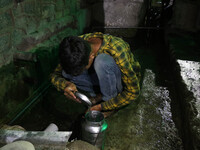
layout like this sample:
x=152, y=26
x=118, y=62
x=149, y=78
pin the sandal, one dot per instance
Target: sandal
x=107, y=114
x=95, y=100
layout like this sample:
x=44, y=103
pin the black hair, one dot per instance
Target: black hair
x=74, y=54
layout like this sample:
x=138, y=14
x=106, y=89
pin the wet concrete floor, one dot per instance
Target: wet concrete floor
x=145, y=124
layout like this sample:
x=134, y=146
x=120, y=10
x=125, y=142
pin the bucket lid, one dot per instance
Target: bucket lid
x=84, y=99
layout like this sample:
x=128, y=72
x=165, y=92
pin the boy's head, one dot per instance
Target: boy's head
x=74, y=54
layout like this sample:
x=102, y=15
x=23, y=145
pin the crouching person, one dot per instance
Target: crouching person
x=98, y=60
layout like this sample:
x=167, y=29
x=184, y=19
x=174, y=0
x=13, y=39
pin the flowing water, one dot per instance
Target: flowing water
x=146, y=125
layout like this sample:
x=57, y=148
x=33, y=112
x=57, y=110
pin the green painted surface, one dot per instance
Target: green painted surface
x=16, y=35
x=5, y=3
x=4, y=46
x=5, y=20
x=25, y=28
x=28, y=76
x=30, y=22
x=30, y=7
x=104, y=127
x=14, y=89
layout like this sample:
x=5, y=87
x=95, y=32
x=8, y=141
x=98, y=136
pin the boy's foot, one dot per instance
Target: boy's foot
x=108, y=113
x=95, y=100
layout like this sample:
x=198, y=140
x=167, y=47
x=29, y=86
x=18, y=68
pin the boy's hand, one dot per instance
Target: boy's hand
x=69, y=91
x=96, y=107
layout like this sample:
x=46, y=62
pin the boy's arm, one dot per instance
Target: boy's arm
x=58, y=80
x=62, y=84
x=131, y=86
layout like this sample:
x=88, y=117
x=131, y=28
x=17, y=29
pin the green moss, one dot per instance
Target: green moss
x=5, y=3
x=4, y=45
x=5, y=20
x=14, y=88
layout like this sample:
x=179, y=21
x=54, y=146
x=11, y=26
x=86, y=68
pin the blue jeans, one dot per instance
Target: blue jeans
x=107, y=76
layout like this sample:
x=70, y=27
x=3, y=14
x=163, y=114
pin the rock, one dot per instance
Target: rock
x=81, y=145
x=19, y=145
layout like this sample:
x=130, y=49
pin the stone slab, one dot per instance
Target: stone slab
x=190, y=72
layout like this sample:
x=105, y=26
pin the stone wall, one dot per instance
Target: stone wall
x=30, y=32
x=25, y=23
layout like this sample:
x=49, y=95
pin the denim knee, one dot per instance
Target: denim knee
x=109, y=76
x=103, y=61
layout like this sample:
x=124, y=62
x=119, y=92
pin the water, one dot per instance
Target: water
x=94, y=116
x=146, y=125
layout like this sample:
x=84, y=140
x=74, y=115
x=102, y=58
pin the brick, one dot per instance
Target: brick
x=20, y=22
x=5, y=3
x=5, y=20
x=1, y=60
x=31, y=25
x=73, y=6
x=8, y=56
x=69, y=7
x=17, y=36
x=59, y=5
x=27, y=24
x=48, y=11
x=64, y=21
x=47, y=1
x=4, y=42
x=30, y=7
x=58, y=15
x=66, y=12
x=17, y=10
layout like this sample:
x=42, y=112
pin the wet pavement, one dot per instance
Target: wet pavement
x=146, y=123
x=190, y=72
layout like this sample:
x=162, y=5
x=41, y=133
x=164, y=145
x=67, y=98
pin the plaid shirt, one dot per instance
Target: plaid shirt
x=130, y=68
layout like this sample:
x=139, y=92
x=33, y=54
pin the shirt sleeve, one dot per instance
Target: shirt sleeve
x=58, y=80
x=131, y=87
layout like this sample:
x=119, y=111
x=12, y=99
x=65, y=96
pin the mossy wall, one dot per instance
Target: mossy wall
x=32, y=28
x=29, y=22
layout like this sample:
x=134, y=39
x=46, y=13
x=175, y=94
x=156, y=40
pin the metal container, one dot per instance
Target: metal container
x=84, y=99
x=93, y=129
x=51, y=127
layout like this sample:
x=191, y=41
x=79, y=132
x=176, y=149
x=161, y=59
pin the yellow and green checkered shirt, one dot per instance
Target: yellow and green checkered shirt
x=130, y=68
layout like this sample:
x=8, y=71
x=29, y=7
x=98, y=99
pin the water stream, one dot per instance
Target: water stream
x=146, y=125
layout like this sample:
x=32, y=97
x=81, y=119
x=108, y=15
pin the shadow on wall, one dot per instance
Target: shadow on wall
x=95, y=17
x=23, y=81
